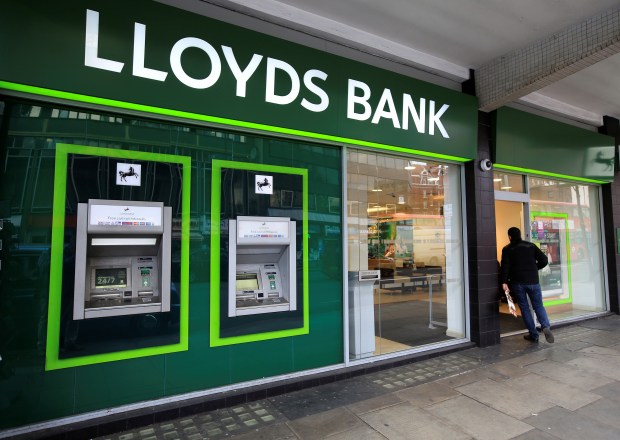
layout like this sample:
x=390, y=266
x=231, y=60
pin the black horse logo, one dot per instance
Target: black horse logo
x=125, y=174
x=607, y=161
x=262, y=184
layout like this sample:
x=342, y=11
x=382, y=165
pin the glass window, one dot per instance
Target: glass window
x=404, y=223
x=565, y=224
x=507, y=182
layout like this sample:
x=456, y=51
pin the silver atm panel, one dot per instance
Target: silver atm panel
x=123, y=258
x=262, y=267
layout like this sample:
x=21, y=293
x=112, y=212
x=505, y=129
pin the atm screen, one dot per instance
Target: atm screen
x=111, y=277
x=247, y=281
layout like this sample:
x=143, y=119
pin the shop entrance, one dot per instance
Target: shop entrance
x=509, y=213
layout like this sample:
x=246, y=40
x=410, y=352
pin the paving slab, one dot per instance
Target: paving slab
x=612, y=352
x=359, y=433
x=611, y=391
x=428, y=394
x=274, y=432
x=611, y=323
x=570, y=425
x=323, y=398
x=582, y=379
x=553, y=391
x=478, y=420
x=596, y=365
x=505, y=370
x=510, y=400
x=535, y=434
x=468, y=377
x=374, y=404
x=604, y=410
x=322, y=425
x=601, y=338
x=407, y=422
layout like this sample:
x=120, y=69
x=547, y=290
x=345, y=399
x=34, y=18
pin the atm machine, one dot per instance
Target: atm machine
x=262, y=265
x=123, y=258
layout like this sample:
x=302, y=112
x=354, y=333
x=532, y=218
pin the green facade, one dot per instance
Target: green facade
x=50, y=61
x=532, y=144
x=32, y=394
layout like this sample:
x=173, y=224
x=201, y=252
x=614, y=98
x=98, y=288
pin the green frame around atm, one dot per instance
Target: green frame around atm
x=52, y=361
x=563, y=217
x=215, y=339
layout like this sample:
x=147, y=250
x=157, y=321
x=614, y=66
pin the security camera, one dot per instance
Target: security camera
x=486, y=165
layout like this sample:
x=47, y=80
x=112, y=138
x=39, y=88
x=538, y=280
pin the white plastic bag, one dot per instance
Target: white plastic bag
x=511, y=304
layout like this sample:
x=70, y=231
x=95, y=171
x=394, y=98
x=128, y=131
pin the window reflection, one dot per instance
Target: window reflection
x=507, y=182
x=405, y=222
x=564, y=223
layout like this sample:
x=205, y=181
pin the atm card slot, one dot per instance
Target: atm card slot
x=246, y=296
x=103, y=296
x=145, y=293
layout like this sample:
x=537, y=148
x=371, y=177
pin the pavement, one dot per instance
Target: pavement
x=515, y=390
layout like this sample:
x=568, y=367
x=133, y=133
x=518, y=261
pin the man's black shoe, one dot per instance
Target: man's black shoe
x=529, y=337
x=548, y=335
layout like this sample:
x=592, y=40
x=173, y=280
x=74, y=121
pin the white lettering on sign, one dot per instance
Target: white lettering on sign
x=424, y=116
x=359, y=94
x=175, y=63
x=91, y=52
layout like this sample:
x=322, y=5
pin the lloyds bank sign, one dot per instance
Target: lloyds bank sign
x=151, y=57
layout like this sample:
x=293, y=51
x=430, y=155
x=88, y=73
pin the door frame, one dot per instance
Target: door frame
x=524, y=198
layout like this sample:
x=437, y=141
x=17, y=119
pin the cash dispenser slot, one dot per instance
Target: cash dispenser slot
x=262, y=252
x=123, y=258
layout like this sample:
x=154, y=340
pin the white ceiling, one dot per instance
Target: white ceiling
x=449, y=37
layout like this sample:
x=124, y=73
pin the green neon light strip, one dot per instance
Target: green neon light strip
x=214, y=119
x=547, y=174
x=52, y=362
x=215, y=338
x=562, y=216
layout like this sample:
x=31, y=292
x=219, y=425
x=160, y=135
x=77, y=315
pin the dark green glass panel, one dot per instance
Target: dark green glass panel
x=34, y=395
x=117, y=383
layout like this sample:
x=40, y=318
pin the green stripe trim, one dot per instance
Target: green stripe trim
x=562, y=216
x=547, y=174
x=217, y=120
x=52, y=362
x=214, y=325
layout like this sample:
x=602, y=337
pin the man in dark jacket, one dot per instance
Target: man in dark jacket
x=521, y=261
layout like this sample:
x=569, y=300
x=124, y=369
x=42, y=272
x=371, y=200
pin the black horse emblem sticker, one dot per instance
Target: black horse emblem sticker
x=130, y=173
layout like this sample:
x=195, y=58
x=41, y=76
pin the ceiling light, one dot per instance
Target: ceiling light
x=498, y=179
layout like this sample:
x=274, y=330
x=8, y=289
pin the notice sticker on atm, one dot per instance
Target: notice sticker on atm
x=125, y=215
x=263, y=229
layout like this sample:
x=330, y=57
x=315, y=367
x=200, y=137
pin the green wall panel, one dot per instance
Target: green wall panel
x=50, y=61
x=527, y=142
x=118, y=383
x=36, y=395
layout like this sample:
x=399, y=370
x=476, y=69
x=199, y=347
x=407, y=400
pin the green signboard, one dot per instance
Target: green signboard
x=529, y=143
x=156, y=58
